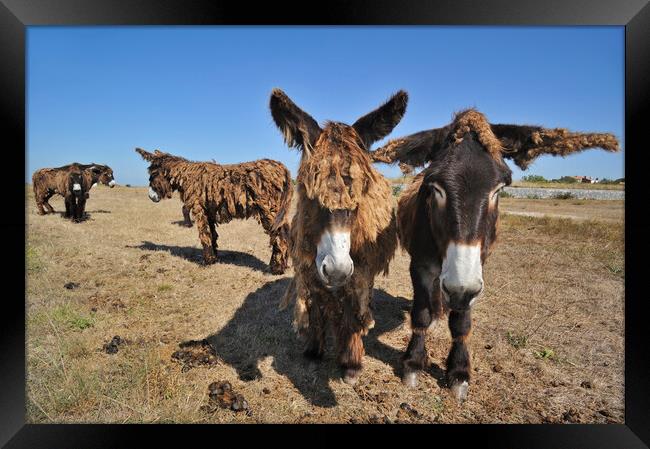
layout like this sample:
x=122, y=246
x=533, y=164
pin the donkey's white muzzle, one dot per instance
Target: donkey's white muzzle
x=112, y=183
x=153, y=196
x=333, y=261
x=76, y=187
x=461, y=277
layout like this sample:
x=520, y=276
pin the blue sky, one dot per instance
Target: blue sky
x=95, y=93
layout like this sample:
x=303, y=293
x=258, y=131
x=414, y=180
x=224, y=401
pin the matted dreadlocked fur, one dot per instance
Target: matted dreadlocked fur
x=216, y=194
x=336, y=173
x=340, y=176
x=521, y=143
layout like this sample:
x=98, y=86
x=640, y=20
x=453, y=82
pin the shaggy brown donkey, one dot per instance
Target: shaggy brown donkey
x=218, y=193
x=344, y=231
x=47, y=182
x=448, y=217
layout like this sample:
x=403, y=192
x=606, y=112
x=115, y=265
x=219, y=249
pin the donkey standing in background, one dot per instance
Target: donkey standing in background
x=218, y=193
x=448, y=217
x=344, y=230
x=47, y=182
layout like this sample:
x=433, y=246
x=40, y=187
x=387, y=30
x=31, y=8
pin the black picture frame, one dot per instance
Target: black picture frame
x=16, y=15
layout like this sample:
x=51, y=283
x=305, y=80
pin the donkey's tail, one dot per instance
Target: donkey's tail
x=281, y=222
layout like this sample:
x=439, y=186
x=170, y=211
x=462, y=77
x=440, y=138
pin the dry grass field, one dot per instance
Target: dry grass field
x=547, y=345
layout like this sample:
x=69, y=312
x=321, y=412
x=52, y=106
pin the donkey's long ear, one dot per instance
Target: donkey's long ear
x=299, y=129
x=523, y=144
x=145, y=154
x=411, y=151
x=379, y=123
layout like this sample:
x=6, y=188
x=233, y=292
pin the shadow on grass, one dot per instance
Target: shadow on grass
x=195, y=255
x=99, y=211
x=259, y=330
x=182, y=224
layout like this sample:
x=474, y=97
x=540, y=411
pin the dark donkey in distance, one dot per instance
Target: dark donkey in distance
x=448, y=218
x=50, y=181
x=343, y=233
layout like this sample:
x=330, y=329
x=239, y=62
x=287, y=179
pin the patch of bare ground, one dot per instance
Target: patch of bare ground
x=547, y=343
x=612, y=211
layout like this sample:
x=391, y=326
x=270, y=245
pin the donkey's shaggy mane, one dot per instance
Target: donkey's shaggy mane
x=340, y=175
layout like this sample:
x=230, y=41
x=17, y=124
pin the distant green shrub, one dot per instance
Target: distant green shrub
x=567, y=180
x=563, y=196
x=504, y=194
x=534, y=178
x=397, y=190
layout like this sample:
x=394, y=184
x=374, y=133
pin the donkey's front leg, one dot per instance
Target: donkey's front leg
x=213, y=234
x=352, y=326
x=187, y=221
x=205, y=236
x=280, y=255
x=351, y=352
x=315, y=333
x=458, y=363
x=47, y=205
x=68, y=206
x=426, y=308
x=80, y=209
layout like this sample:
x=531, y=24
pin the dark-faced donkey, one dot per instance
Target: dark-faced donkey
x=448, y=216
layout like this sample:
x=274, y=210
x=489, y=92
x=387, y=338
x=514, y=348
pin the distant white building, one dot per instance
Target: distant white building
x=586, y=179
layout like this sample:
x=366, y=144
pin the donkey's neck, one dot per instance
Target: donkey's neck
x=177, y=175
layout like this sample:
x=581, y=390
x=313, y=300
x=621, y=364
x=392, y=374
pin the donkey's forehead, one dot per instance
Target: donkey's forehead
x=474, y=123
x=338, y=135
x=467, y=164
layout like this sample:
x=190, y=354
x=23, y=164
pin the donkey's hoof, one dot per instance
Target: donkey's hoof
x=410, y=379
x=459, y=389
x=351, y=376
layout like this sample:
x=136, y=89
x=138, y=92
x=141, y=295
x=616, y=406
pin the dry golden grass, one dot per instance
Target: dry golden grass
x=612, y=211
x=547, y=343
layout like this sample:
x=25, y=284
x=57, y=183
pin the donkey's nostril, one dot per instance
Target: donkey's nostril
x=325, y=269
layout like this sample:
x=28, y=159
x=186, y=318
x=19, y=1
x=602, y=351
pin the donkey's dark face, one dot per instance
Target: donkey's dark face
x=159, y=185
x=335, y=176
x=76, y=183
x=463, y=184
x=106, y=177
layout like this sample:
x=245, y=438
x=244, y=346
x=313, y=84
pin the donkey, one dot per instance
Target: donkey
x=217, y=193
x=47, y=182
x=343, y=233
x=448, y=219
x=77, y=187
